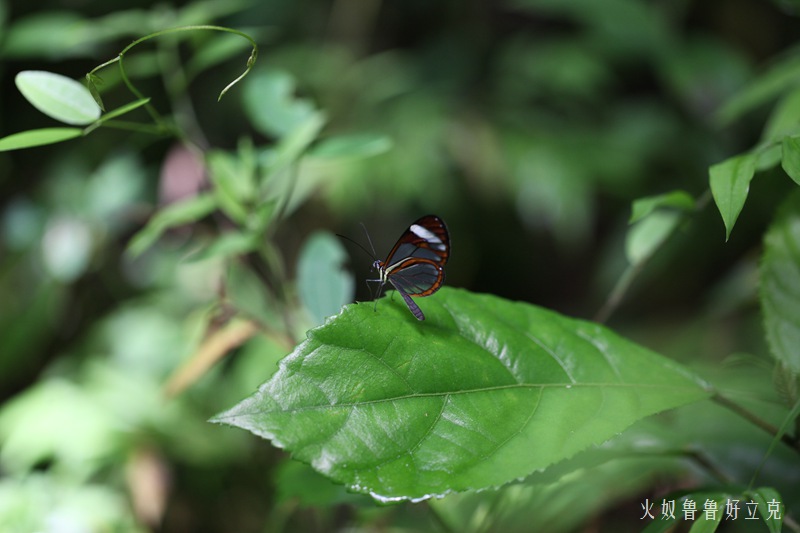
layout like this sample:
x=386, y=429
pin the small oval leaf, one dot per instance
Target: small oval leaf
x=483, y=392
x=58, y=96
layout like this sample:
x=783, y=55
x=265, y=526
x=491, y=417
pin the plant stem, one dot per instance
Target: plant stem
x=626, y=279
x=618, y=292
x=136, y=126
x=756, y=420
x=707, y=464
x=176, y=83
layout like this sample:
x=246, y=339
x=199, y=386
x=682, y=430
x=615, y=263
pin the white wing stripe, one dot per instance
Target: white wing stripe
x=424, y=233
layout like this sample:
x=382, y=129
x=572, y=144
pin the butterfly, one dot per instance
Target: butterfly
x=415, y=266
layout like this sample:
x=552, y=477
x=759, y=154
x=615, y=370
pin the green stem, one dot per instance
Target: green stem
x=137, y=127
x=755, y=420
x=175, y=82
x=618, y=292
x=202, y=27
x=437, y=518
x=207, y=27
x=625, y=281
x=708, y=465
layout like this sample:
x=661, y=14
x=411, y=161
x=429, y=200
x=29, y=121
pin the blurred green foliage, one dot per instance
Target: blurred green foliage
x=530, y=126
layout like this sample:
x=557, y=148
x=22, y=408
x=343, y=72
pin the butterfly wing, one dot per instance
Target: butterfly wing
x=426, y=238
x=416, y=263
x=412, y=306
x=417, y=277
x=415, y=266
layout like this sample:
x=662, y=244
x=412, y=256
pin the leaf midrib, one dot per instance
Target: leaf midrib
x=418, y=395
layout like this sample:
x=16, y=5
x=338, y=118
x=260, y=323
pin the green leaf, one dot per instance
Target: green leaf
x=770, y=507
x=177, y=214
x=356, y=146
x=784, y=119
x=769, y=155
x=127, y=108
x=233, y=182
x=483, y=392
x=227, y=245
x=295, y=143
x=790, y=160
x=249, y=295
x=296, y=482
x=40, y=137
x=272, y=105
x=765, y=88
x=659, y=526
x=91, y=83
x=647, y=235
x=45, y=34
x=58, y=97
x=281, y=180
x=780, y=284
x=730, y=183
x=611, y=475
x=705, y=523
x=221, y=48
x=55, y=420
x=42, y=501
x=642, y=207
x=324, y=285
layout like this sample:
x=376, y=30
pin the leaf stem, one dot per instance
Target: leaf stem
x=208, y=27
x=175, y=82
x=437, y=517
x=157, y=118
x=706, y=463
x=625, y=281
x=756, y=420
x=133, y=126
x=618, y=292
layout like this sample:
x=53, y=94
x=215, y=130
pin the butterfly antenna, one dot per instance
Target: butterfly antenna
x=374, y=253
x=358, y=244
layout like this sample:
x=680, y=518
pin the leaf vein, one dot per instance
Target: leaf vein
x=416, y=395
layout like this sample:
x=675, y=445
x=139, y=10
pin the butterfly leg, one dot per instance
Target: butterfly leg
x=372, y=294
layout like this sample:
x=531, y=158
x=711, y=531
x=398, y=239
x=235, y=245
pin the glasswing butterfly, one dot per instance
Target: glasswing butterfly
x=415, y=266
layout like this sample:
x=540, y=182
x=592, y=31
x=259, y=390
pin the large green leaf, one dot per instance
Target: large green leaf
x=481, y=393
x=730, y=184
x=780, y=284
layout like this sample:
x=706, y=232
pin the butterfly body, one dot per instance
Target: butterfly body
x=415, y=266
